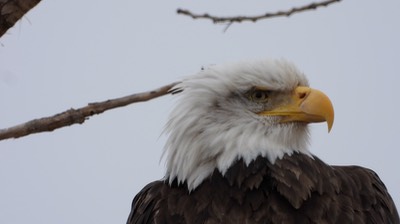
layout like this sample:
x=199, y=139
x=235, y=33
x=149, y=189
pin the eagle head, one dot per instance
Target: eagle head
x=240, y=111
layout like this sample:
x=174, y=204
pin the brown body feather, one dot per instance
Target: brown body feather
x=296, y=189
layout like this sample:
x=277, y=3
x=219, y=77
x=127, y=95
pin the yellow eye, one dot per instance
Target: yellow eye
x=259, y=96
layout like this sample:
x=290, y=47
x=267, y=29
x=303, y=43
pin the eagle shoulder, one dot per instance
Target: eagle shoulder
x=370, y=199
x=143, y=204
x=296, y=189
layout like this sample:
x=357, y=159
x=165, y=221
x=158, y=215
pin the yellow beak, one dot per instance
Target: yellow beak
x=306, y=105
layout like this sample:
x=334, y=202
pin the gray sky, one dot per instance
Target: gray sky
x=66, y=54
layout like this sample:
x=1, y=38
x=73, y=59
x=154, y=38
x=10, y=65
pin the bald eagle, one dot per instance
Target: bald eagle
x=238, y=152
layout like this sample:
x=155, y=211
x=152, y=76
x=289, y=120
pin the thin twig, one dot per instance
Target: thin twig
x=78, y=116
x=238, y=19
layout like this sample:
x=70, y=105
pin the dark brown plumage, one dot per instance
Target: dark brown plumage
x=296, y=189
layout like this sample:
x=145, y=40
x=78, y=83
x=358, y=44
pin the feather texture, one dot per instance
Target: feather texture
x=295, y=189
x=213, y=123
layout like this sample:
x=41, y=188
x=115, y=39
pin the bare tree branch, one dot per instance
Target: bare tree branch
x=12, y=10
x=78, y=116
x=238, y=19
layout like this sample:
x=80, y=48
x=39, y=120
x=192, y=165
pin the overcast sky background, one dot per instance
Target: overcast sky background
x=65, y=54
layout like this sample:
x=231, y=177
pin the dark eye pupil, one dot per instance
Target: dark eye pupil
x=259, y=95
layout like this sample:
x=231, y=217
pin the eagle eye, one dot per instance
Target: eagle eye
x=259, y=96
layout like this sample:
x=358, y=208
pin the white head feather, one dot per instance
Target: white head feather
x=212, y=125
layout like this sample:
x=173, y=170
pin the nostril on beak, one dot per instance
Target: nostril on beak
x=302, y=95
x=301, y=92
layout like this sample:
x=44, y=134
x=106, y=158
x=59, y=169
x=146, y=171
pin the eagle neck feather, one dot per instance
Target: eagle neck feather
x=193, y=155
